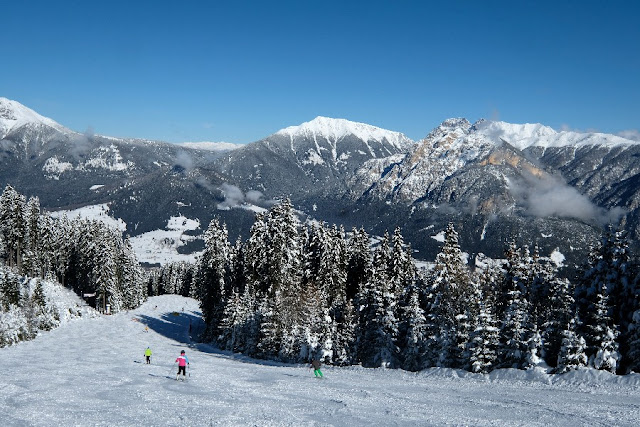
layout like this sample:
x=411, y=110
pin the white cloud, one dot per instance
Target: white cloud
x=632, y=134
x=234, y=197
x=184, y=160
x=550, y=196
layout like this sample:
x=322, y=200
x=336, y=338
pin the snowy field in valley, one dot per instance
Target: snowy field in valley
x=91, y=372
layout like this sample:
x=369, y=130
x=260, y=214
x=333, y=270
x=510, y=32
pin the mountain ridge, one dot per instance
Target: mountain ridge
x=483, y=177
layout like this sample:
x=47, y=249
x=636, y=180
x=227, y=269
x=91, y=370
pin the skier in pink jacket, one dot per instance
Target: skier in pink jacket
x=183, y=361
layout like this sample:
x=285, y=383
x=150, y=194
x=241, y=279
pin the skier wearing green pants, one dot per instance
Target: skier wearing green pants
x=315, y=364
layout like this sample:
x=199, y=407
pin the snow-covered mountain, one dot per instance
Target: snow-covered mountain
x=211, y=146
x=14, y=115
x=336, y=130
x=496, y=181
x=457, y=143
x=501, y=181
x=313, y=160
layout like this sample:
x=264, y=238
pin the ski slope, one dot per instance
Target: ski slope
x=91, y=372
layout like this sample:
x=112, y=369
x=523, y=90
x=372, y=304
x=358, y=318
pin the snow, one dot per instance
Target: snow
x=336, y=129
x=90, y=372
x=313, y=158
x=68, y=305
x=53, y=168
x=557, y=257
x=211, y=146
x=161, y=246
x=14, y=115
x=153, y=247
x=108, y=158
x=525, y=135
x=439, y=237
x=93, y=212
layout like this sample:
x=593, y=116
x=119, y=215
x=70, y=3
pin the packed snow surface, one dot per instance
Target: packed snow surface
x=91, y=372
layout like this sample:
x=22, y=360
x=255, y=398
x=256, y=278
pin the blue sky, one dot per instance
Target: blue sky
x=238, y=71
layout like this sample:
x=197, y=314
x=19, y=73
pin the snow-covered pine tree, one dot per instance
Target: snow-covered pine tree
x=64, y=239
x=211, y=276
x=359, y=274
x=359, y=263
x=332, y=277
x=378, y=331
x=343, y=342
x=130, y=276
x=606, y=279
x=560, y=311
x=513, y=349
x=414, y=341
x=30, y=258
x=237, y=278
x=46, y=249
x=270, y=335
x=234, y=317
x=104, y=270
x=633, y=356
x=312, y=238
x=402, y=272
x=448, y=309
x=602, y=344
x=572, y=350
x=9, y=289
x=273, y=264
x=12, y=225
x=542, y=273
x=484, y=342
x=520, y=343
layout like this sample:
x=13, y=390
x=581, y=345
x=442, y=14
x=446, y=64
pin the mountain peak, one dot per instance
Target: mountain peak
x=335, y=129
x=526, y=135
x=13, y=115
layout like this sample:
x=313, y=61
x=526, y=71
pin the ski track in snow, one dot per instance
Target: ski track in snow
x=91, y=372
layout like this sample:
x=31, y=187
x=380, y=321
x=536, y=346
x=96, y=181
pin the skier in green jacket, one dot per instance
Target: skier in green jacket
x=315, y=364
x=147, y=355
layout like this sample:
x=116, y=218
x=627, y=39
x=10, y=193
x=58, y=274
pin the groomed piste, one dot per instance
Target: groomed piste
x=91, y=372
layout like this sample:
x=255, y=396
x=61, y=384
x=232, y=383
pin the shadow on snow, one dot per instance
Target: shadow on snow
x=185, y=329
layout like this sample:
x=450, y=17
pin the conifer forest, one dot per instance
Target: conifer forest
x=294, y=291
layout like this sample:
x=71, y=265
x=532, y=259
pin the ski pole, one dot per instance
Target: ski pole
x=172, y=367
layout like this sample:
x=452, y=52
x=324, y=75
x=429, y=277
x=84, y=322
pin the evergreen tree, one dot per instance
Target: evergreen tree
x=560, y=311
x=31, y=260
x=513, y=350
x=359, y=263
x=12, y=224
x=572, y=350
x=602, y=345
x=449, y=318
x=378, y=332
x=633, y=355
x=211, y=277
x=415, y=335
x=484, y=342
